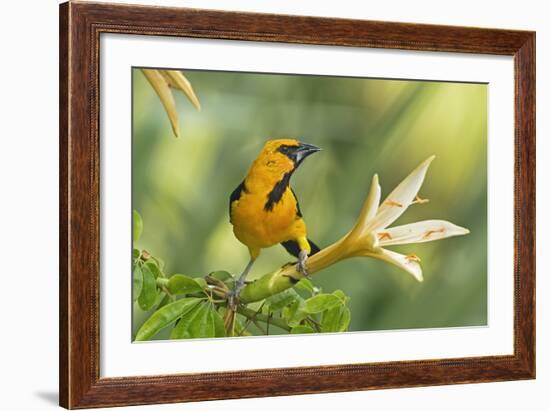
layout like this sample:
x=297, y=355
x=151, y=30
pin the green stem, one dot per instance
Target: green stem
x=162, y=282
x=287, y=276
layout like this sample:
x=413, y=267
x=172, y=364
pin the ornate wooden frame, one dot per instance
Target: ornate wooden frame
x=80, y=27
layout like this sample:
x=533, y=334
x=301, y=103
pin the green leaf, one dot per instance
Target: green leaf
x=340, y=294
x=201, y=282
x=154, y=268
x=221, y=275
x=321, y=302
x=148, y=295
x=166, y=299
x=135, y=253
x=302, y=329
x=182, y=284
x=137, y=226
x=336, y=319
x=294, y=313
x=219, y=328
x=181, y=330
x=307, y=285
x=159, y=262
x=197, y=323
x=137, y=282
x=160, y=298
x=165, y=316
x=282, y=299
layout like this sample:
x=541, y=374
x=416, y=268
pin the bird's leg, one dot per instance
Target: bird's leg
x=233, y=296
x=301, y=266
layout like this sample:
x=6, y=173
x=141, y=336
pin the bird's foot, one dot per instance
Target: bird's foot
x=233, y=295
x=301, y=265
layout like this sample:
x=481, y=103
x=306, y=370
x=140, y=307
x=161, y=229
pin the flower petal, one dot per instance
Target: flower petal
x=160, y=85
x=400, y=198
x=404, y=262
x=177, y=80
x=420, y=232
x=370, y=207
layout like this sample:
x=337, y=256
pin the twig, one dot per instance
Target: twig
x=245, y=326
x=257, y=324
x=249, y=319
x=251, y=314
x=315, y=324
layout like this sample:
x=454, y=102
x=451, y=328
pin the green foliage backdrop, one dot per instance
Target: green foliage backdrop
x=364, y=126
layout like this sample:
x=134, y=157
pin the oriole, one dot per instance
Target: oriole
x=264, y=210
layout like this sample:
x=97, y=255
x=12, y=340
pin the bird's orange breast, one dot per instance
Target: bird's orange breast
x=257, y=227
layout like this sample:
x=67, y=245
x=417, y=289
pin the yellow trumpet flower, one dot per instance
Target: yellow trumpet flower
x=372, y=234
x=369, y=237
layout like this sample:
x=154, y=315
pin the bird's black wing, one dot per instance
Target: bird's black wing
x=235, y=195
x=292, y=246
x=298, y=211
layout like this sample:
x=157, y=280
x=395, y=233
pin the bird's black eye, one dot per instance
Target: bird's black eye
x=284, y=149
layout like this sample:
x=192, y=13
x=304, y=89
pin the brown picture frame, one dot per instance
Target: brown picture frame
x=80, y=27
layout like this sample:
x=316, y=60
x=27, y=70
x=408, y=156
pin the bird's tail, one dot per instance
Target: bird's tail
x=314, y=248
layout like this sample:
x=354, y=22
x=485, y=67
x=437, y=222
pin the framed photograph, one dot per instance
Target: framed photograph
x=260, y=205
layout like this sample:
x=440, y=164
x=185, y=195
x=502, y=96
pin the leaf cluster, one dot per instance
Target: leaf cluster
x=196, y=307
x=306, y=309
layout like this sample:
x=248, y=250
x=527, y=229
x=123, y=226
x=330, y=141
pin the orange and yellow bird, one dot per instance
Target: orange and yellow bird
x=264, y=210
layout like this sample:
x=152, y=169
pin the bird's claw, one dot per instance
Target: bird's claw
x=301, y=268
x=233, y=295
x=301, y=265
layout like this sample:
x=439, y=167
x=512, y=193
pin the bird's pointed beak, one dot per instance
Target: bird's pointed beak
x=310, y=148
x=305, y=150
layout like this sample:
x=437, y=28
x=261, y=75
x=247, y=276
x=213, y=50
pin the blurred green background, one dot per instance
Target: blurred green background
x=182, y=186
